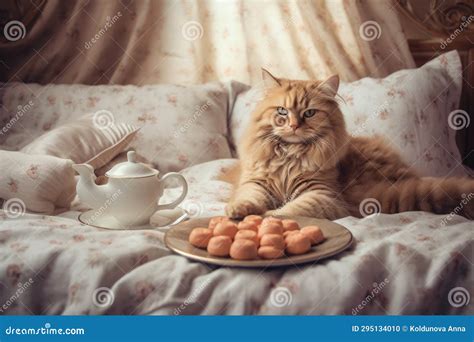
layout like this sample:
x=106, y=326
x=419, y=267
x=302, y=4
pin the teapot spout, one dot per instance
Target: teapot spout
x=89, y=193
x=84, y=170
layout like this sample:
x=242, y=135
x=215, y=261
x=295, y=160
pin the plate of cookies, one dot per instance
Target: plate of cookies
x=258, y=241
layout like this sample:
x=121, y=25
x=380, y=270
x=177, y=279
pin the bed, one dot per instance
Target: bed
x=408, y=263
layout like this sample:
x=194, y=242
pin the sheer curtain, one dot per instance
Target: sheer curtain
x=169, y=41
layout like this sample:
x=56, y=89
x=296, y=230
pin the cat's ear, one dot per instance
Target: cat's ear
x=331, y=85
x=269, y=80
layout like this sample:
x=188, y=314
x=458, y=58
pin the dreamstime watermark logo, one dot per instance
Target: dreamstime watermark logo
x=464, y=24
x=192, y=298
x=458, y=297
x=193, y=208
x=370, y=30
x=14, y=297
x=47, y=329
x=14, y=208
x=108, y=202
x=192, y=30
x=376, y=289
x=458, y=209
x=109, y=22
x=103, y=119
x=198, y=112
x=103, y=297
x=21, y=110
x=458, y=119
x=14, y=30
x=362, y=127
x=370, y=206
x=279, y=121
x=280, y=297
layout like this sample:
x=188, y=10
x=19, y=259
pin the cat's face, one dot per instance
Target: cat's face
x=299, y=112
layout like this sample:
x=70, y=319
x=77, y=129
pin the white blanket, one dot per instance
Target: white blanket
x=410, y=263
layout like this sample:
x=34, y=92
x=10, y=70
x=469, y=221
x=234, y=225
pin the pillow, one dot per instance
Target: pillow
x=38, y=182
x=409, y=108
x=181, y=125
x=84, y=141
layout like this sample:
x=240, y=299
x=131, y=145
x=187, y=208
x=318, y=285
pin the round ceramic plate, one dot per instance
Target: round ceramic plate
x=337, y=240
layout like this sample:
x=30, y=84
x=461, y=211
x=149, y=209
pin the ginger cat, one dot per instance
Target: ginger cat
x=297, y=159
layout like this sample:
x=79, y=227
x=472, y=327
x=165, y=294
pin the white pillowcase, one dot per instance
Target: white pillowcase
x=409, y=108
x=84, y=141
x=38, y=182
x=180, y=125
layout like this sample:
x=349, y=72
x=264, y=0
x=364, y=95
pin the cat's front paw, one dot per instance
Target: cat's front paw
x=241, y=209
x=272, y=213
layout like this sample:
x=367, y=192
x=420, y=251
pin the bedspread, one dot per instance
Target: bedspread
x=409, y=263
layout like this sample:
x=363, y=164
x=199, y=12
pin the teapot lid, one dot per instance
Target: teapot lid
x=131, y=168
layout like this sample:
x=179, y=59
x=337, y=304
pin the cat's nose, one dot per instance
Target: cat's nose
x=294, y=126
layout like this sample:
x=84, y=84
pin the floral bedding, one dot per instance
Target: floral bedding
x=410, y=263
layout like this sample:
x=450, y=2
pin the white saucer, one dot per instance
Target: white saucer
x=163, y=218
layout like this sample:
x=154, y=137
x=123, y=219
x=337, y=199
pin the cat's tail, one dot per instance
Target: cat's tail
x=437, y=195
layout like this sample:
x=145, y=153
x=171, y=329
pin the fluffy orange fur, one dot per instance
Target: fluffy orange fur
x=296, y=158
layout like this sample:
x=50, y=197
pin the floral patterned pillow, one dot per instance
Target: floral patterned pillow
x=35, y=182
x=180, y=125
x=415, y=110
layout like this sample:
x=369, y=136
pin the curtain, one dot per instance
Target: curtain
x=176, y=41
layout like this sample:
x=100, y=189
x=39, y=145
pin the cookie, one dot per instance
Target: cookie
x=247, y=225
x=219, y=246
x=273, y=240
x=247, y=235
x=200, y=237
x=290, y=232
x=289, y=225
x=270, y=252
x=216, y=220
x=297, y=244
x=270, y=228
x=271, y=220
x=227, y=228
x=253, y=218
x=314, y=234
x=243, y=250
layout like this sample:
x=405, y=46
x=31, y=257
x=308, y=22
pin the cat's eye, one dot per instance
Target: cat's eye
x=282, y=111
x=309, y=113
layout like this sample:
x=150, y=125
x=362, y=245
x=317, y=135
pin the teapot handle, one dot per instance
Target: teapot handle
x=177, y=201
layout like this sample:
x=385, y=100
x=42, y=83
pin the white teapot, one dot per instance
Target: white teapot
x=131, y=194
